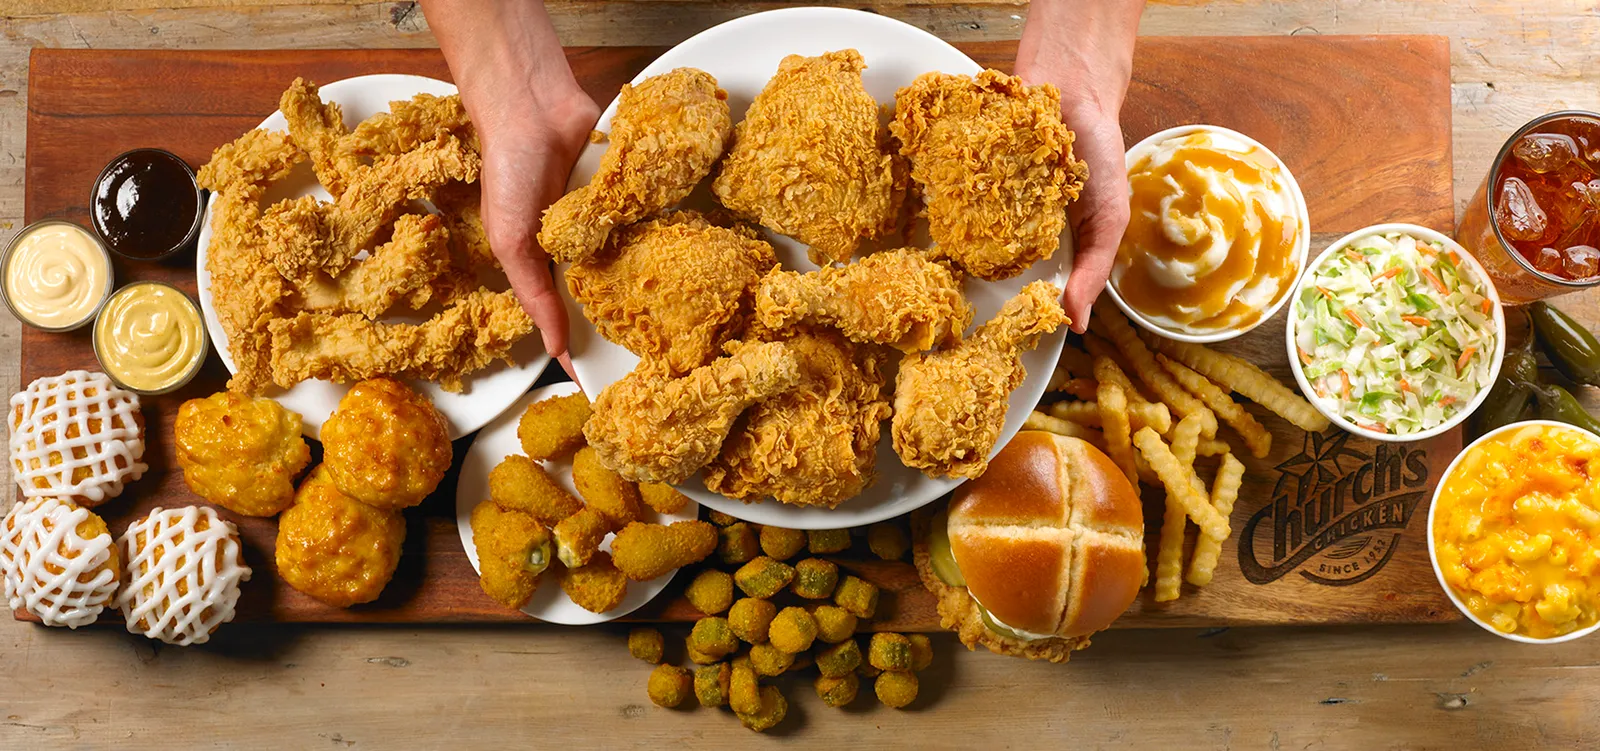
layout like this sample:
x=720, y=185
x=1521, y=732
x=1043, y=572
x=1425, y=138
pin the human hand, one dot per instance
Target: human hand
x=1085, y=48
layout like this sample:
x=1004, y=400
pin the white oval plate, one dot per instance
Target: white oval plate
x=489, y=391
x=499, y=439
x=743, y=54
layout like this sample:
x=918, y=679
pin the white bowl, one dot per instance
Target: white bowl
x=1497, y=356
x=1433, y=555
x=1301, y=248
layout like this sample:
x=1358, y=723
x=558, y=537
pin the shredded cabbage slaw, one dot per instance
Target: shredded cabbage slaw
x=1395, y=334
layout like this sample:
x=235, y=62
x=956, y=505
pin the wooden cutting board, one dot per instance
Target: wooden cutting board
x=1330, y=528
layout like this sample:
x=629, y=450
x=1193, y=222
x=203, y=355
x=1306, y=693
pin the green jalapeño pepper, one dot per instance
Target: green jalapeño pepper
x=1570, y=346
x=1512, y=393
x=1556, y=403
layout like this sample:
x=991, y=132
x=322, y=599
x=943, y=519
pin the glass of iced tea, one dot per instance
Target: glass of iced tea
x=1535, y=221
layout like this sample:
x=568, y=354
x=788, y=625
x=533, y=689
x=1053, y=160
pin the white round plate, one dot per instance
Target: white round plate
x=743, y=54
x=489, y=391
x=499, y=439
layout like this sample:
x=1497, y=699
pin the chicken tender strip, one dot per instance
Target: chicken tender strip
x=994, y=165
x=668, y=132
x=950, y=405
x=409, y=123
x=461, y=208
x=246, y=291
x=901, y=298
x=306, y=236
x=807, y=160
x=462, y=339
x=651, y=428
x=402, y=269
x=317, y=127
x=256, y=159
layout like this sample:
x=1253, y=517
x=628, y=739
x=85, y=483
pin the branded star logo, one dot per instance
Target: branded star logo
x=1317, y=463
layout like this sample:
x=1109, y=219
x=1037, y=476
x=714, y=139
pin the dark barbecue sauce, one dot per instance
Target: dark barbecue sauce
x=145, y=204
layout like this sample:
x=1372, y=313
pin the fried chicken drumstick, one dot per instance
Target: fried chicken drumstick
x=901, y=298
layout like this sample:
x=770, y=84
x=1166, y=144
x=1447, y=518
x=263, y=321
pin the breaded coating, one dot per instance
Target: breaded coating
x=744, y=689
x=993, y=163
x=401, y=273
x=769, y=660
x=751, y=619
x=763, y=577
x=521, y=484
x=667, y=133
x=834, y=624
x=900, y=298
x=896, y=689
x=770, y=711
x=837, y=692
x=737, y=543
x=646, y=551
x=857, y=597
x=662, y=498
x=670, y=686
x=720, y=519
x=253, y=160
x=711, y=592
x=513, y=550
x=409, y=123
x=839, y=660
x=646, y=644
x=780, y=543
x=673, y=290
x=597, y=586
x=578, y=536
x=317, y=127
x=712, y=637
x=696, y=656
x=814, y=579
x=888, y=540
x=711, y=684
x=889, y=651
x=651, y=428
x=921, y=651
x=816, y=445
x=827, y=541
x=553, y=428
x=950, y=405
x=793, y=630
x=807, y=160
x=461, y=208
x=605, y=491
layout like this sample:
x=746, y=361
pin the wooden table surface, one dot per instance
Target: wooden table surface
x=344, y=687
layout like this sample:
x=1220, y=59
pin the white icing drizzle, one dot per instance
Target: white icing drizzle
x=31, y=419
x=207, y=561
x=41, y=534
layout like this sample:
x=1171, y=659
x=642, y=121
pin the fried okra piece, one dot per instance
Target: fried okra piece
x=720, y=519
x=763, y=577
x=597, y=586
x=834, y=624
x=744, y=689
x=793, y=630
x=513, y=550
x=888, y=541
x=890, y=652
x=662, y=498
x=840, y=659
x=711, y=592
x=750, y=618
x=921, y=651
x=814, y=579
x=696, y=656
x=646, y=551
x=578, y=537
x=769, y=660
x=646, y=644
x=837, y=692
x=770, y=711
x=603, y=490
x=711, y=684
x=866, y=670
x=737, y=543
x=825, y=541
x=670, y=685
x=856, y=596
x=553, y=428
x=782, y=544
x=518, y=483
x=713, y=638
x=896, y=689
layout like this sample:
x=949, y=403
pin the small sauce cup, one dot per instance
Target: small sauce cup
x=116, y=368
x=146, y=205
x=12, y=251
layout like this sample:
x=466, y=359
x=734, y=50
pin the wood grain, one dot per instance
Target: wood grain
x=1296, y=95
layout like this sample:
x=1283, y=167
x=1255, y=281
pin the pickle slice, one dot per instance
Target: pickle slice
x=940, y=557
x=994, y=625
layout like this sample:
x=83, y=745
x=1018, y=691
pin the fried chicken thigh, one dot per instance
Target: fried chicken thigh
x=901, y=298
x=673, y=290
x=950, y=405
x=652, y=428
x=666, y=135
x=994, y=165
x=807, y=158
x=816, y=444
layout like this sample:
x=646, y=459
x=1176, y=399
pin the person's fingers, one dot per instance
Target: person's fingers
x=1098, y=218
x=565, y=361
x=511, y=220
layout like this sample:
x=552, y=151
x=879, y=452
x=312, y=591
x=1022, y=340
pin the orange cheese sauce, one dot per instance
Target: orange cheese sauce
x=1515, y=531
x=1212, y=235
